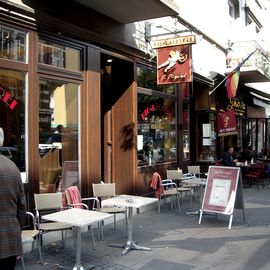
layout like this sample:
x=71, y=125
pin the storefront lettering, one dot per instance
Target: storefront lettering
x=174, y=41
x=7, y=98
x=237, y=105
x=150, y=109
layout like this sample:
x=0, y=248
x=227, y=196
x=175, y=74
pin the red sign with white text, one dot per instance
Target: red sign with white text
x=226, y=123
x=220, y=190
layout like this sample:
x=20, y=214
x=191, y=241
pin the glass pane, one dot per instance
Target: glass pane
x=59, y=55
x=12, y=116
x=147, y=78
x=12, y=44
x=58, y=134
x=156, y=130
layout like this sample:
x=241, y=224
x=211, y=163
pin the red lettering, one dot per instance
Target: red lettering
x=12, y=104
x=6, y=97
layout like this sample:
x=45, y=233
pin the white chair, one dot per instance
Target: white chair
x=195, y=169
x=44, y=204
x=163, y=189
x=31, y=234
x=74, y=200
x=107, y=190
x=177, y=175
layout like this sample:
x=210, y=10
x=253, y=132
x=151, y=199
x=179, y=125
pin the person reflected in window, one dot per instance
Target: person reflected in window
x=228, y=158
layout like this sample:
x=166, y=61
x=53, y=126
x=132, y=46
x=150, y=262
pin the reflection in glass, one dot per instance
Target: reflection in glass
x=58, y=133
x=58, y=55
x=12, y=44
x=147, y=78
x=156, y=130
x=12, y=115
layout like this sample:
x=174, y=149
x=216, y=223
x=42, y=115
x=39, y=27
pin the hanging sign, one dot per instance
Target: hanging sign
x=174, y=59
x=174, y=65
x=7, y=98
x=226, y=123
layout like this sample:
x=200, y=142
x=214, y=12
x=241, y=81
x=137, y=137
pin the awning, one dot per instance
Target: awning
x=130, y=11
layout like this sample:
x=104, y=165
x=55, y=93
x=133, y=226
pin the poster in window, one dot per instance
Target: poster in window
x=70, y=174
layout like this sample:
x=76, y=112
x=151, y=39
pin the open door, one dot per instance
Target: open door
x=118, y=123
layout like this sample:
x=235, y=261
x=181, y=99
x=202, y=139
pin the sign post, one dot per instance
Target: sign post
x=223, y=192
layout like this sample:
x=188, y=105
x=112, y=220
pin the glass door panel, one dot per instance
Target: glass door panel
x=58, y=135
x=12, y=116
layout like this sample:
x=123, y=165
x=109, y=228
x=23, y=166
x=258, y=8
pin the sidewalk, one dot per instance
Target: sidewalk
x=178, y=242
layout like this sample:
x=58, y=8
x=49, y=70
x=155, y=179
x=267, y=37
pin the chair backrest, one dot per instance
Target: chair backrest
x=73, y=196
x=104, y=190
x=46, y=201
x=174, y=174
x=194, y=169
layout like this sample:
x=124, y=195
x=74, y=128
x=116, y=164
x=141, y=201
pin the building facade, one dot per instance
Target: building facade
x=80, y=101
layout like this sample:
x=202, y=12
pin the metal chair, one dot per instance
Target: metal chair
x=74, y=199
x=177, y=175
x=31, y=234
x=163, y=189
x=107, y=190
x=44, y=204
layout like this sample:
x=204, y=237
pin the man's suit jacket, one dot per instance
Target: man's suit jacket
x=227, y=159
x=12, y=208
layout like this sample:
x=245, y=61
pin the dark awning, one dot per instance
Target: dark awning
x=128, y=11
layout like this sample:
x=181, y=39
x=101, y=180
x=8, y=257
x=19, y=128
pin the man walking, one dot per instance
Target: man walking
x=12, y=211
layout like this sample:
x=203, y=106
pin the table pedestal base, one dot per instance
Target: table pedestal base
x=129, y=246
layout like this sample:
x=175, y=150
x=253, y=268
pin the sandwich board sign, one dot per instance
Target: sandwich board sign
x=223, y=192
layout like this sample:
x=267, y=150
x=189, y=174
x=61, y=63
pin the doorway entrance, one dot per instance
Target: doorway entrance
x=117, y=121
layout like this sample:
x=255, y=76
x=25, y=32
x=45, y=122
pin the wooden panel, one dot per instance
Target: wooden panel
x=90, y=124
x=124, y=153
x=33, y=121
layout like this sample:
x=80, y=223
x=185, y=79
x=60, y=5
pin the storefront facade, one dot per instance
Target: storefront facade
x=70, y=107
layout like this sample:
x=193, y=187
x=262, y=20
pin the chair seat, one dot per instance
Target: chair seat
x=28, y=235
x=183, y=189
x=54, y=226
x=172, y=191
x=112, y=209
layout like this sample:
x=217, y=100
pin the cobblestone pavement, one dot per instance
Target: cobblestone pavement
x=178, y=242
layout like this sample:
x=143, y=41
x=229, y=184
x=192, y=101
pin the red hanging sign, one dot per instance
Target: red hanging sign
x=174, y=64
x=226, y=123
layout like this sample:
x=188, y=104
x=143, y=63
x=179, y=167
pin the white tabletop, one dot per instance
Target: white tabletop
x=197, y=181
x=77, y=217
x=129, y=201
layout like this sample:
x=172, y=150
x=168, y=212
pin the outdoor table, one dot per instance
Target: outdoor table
x=130, y=202
x=197, y=181
x=78, y=218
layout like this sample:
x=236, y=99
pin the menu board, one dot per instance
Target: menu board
x=221, y=189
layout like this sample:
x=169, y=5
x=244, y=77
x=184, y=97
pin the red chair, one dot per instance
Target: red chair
x=256, y=174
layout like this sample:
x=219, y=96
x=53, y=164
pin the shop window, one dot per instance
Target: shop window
x=156, y=130
x=58, y=55
x=147, y=78
x=12, y=116
x=12, y=44
x=207, y=135
x=58, y=135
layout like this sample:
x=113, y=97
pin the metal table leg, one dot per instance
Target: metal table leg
x=130, y=243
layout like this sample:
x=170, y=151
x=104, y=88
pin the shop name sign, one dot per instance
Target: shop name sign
x=7, y=98
x=174, y=42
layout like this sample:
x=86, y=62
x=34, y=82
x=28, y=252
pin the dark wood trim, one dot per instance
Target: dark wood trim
x=90, y=124
x=9, y=64
x=32, y=120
